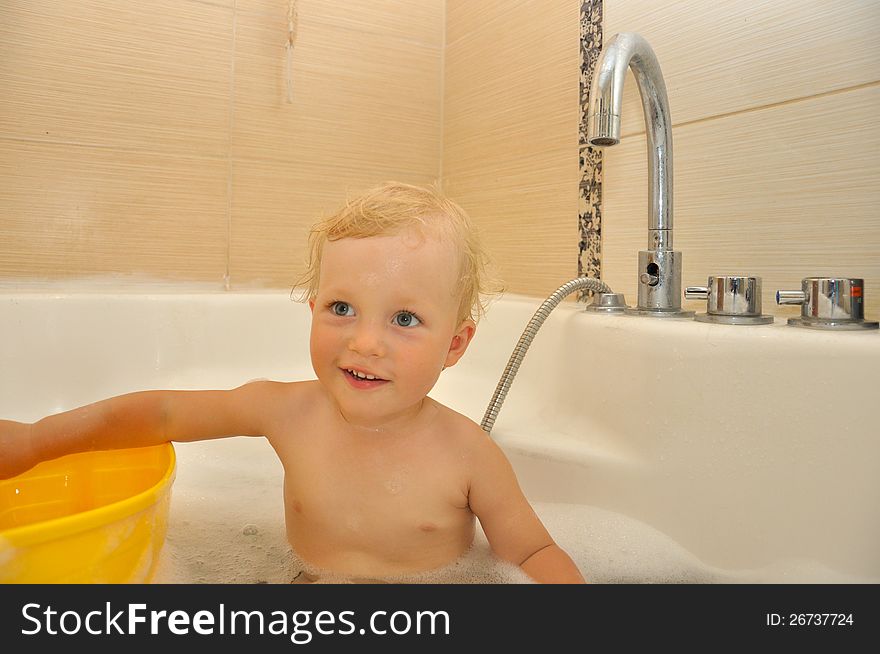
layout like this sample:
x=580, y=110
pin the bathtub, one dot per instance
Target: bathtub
x=653, y=450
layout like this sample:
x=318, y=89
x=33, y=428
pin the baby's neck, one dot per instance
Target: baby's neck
x=404, y=422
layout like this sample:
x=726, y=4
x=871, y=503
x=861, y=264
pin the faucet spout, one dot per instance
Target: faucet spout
x=659, y=265
x=624, y=51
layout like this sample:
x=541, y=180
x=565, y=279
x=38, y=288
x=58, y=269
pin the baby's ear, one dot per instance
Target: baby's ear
x=460, y=341
x=312, y=304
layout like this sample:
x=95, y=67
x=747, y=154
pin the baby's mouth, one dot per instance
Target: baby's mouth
x=363, y=379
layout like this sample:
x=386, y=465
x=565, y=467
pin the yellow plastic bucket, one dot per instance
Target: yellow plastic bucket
x=94, y=517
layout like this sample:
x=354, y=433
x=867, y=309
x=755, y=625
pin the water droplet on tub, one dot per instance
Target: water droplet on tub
x=250, y=530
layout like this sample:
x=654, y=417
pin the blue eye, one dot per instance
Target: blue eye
x=341, y=309
x=406, y=319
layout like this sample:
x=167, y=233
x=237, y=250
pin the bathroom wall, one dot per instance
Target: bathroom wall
x=776, y=147
x=510, y=132
x=774, y=107
x=154, y=141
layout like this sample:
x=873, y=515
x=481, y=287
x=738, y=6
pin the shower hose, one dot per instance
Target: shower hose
x=528, y=335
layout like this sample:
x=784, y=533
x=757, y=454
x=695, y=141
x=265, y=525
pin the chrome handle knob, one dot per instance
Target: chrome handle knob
x=829, y=303
x=730, y=299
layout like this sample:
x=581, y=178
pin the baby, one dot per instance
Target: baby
x=379, y=479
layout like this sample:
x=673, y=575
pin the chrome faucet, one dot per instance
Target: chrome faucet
x=659, y=265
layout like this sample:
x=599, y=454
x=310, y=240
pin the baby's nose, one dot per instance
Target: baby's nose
x=367, y=340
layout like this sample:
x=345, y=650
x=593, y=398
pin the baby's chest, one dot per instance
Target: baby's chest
x=380, y=497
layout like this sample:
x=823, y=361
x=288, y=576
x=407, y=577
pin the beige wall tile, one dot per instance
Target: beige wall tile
x=150, y=76
x=82, y=211
x=533, y=252
x=366, y=109
x=466, y=16
x=196, y=78
x=358, y=99
x=419, y=21
x=274, y=205
x=511, y=134
x=727, y=55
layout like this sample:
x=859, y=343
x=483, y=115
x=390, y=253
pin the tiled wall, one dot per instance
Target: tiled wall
x=510, y=132
x=155, y=140
x=150, y=141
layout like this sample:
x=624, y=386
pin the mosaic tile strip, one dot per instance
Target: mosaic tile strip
x=590, y=192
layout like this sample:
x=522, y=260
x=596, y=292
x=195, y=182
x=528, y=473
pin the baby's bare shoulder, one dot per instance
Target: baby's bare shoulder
x=279, y=397
x=291, y=388
x=462, y=430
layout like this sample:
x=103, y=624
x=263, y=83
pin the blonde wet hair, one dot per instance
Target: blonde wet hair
x=394, y=207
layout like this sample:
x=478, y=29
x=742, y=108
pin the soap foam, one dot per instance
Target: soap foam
x=478, y=565
x=609, y=547
x=226, y=525
x=226, y=521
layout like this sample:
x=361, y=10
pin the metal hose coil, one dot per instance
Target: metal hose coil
x=528, y=335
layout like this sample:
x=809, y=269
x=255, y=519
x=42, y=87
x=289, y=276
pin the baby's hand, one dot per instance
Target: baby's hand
x=16, y=452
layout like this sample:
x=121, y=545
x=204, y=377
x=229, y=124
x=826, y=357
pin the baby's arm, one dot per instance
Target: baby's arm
x=514, y=531
x=135, y=420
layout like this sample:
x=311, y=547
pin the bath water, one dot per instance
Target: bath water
x=226, y=525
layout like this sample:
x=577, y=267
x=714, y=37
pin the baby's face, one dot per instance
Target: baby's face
x=386, y=308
